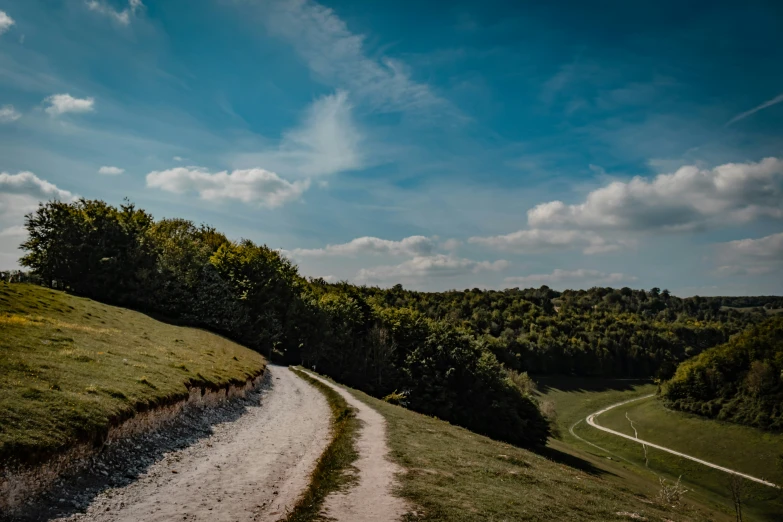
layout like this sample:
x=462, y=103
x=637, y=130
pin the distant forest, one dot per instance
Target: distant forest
x=458, y=355
x=597, y=332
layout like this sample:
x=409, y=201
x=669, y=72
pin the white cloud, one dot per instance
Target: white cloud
x=178, y=158
x=16, y=231
x=769, y=103
x=20, y=194
x=580, y=276
x=336, y=56
x=5, y=22
x=327, y=278
x=8, y=114
x=28, y=184
x=439, y=265
x=751, y=256
x=538, y=240
x=64, y=103
x=249, y=186
x=451, y=244
x=122, y=17
x=327, y=142
x=409, y=246
x=689, y=198
x=110, y=171
x=13, y=208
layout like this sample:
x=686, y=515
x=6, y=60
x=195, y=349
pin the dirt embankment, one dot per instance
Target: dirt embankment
x=245, y=459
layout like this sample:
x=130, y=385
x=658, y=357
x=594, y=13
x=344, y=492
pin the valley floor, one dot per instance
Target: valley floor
x=744, y=449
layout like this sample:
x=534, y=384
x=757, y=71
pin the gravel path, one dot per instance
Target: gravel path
x=371, y=499
x=253, y=466
x=592, y=422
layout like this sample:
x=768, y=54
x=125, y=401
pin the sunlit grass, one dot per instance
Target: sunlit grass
x=70, y=367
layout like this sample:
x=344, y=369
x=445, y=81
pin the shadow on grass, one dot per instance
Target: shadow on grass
x=564, y=383
x=125, y=461
x=572, y=461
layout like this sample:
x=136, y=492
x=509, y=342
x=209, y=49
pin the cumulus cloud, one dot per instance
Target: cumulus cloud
x=5, y=22
x=28, y=184
x=20, y=194
x=249, y=186
x=122, y=17
x=538, y=240
x=751, y=256
x=8, y=114
x=110, y=171
x=336, y=56
x=409, y=246
x=439, y=265
x=64, y=103
x=581, y=276
x=327, y=142
x=689, y=198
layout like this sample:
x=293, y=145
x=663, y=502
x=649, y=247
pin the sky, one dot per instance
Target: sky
x=440, y=145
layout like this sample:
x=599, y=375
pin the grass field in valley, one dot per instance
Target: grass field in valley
x=749, y=450
x=458, y=476
x=743, y=448
x=70, y=367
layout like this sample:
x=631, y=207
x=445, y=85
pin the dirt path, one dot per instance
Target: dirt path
x=253, y=468
x=372, y=498
x=592, y=422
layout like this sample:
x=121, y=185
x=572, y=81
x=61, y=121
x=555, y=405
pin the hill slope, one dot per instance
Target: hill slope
x=71, y=367
x=456, y=475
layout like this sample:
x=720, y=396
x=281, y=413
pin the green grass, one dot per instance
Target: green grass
x=458, y=476
x=742, y=448
x=707, y=439
x=330, y=471
x=71, y=367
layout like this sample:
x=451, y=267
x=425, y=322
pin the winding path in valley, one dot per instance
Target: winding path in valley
x=591, y=420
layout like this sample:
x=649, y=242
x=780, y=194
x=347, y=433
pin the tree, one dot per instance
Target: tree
x=737, y=487
x=91, y=248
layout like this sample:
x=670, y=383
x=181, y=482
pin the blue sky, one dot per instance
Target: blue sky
x=436, y=144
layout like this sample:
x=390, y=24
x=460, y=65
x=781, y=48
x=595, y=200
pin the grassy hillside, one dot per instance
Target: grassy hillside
x=70, y=367
x=575, y=399
x=458, y=476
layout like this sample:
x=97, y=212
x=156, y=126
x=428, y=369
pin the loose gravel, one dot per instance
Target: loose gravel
x=247, y=459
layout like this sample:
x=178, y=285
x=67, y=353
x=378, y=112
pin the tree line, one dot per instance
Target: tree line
x=194, y=275
x=459, y=355
x=602, y=332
